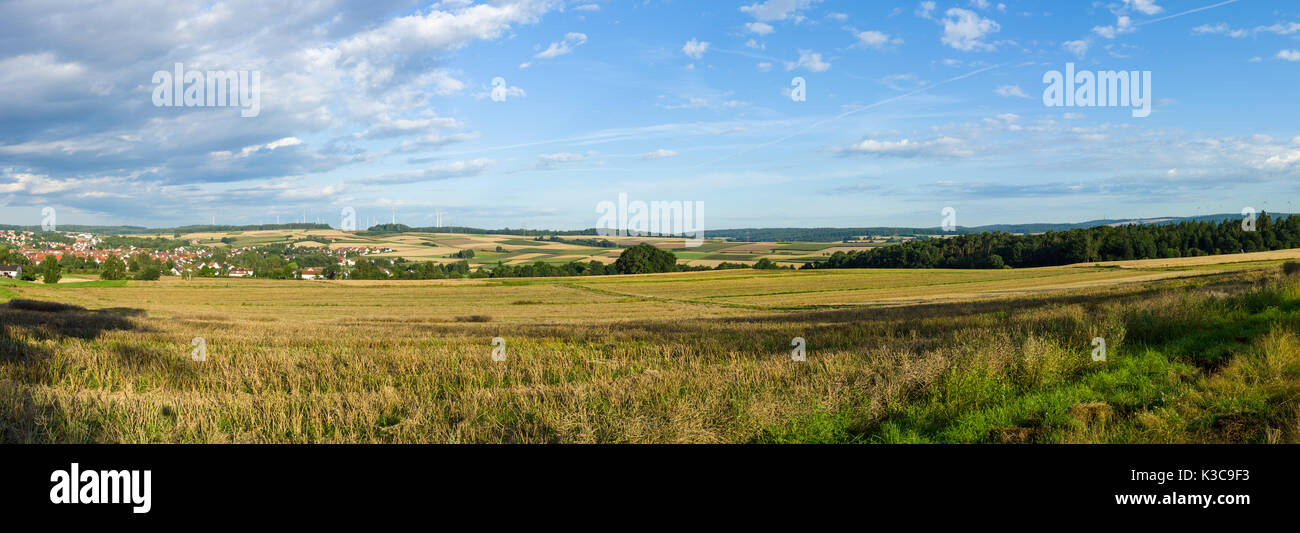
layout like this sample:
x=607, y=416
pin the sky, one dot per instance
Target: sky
x=530, y=113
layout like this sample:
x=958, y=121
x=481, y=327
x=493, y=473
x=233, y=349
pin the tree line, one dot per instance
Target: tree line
x=1102, y=243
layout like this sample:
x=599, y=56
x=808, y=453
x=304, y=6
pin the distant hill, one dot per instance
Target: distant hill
x=840, y=234
x=744, y=234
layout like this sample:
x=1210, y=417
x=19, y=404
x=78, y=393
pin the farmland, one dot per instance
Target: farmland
x=513, y=249
x=1198, y=351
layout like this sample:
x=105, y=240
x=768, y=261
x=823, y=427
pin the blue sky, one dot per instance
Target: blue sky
x=387, y=107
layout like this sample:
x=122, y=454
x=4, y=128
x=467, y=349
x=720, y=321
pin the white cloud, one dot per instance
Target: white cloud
x=1123, y=24
x=809, y=60
x=557, y=49
x=695, y=49
x=1079, y=48
x=442, y=30
x=250, y=150
x=926, y=9
x=775, y=9
x=939, y=147
x=659, y=154
x=875, y=39
x=761, y=28
x=1011, y=90
x=965, y=30
x=454, y=169
x=1147, y=7
x=500, y=91
x=1289, y=55
x=556, y=159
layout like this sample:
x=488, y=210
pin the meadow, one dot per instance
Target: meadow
x=1194, y=353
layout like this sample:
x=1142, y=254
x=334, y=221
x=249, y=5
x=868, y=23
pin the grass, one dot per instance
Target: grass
x=661, y=358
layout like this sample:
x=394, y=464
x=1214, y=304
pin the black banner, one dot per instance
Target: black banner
x=308, y=483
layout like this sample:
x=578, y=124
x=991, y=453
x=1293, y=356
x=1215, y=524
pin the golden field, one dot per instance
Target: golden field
x=1204, y=354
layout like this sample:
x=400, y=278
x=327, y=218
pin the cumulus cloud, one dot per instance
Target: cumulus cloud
x=965, y=30
x=875, y=39
x=809, y=60
x=1078, y=47
x=1146, y=7
x=342, y=85
x=695, y=49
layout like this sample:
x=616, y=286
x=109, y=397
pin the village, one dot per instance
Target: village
x=86, y=251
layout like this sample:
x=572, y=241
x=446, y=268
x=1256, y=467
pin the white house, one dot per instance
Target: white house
x=11, y=271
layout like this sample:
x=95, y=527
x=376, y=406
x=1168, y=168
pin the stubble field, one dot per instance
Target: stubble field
x=1194, y=354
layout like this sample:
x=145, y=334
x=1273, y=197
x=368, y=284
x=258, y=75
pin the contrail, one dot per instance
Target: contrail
x=1188, y=12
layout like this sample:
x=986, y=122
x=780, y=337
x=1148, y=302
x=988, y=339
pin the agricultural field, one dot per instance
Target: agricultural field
x=1195, y=352
x=514, y=249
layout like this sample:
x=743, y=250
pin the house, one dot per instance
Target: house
x=11, y=271
x=240, y=272
x=313, y=273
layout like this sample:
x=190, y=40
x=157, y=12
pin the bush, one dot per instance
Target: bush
x=1290, y=268
x=151, y=273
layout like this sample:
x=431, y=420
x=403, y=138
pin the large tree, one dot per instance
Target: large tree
x=645, y=259
x=51, y=269
x=114, y=269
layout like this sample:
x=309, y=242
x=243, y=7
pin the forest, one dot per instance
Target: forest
x=1101, y=243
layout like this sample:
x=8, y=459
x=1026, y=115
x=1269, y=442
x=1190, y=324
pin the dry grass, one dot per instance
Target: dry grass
x=627, y=359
